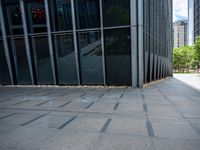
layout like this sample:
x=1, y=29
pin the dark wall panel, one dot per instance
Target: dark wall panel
x=118, y=56
x=90, y=53
x=42, y=60
x=87, y=14
x=4, y=74
x=116, y=12
x=65, y=56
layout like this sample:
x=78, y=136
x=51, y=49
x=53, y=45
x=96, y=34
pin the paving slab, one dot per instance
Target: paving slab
x=162, y=116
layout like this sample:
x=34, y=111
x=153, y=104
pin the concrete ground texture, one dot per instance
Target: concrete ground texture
x=162, y=116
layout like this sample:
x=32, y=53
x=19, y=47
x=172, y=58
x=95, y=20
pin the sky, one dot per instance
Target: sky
x=180, y=10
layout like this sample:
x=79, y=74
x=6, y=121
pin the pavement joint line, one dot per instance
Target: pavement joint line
x=65, y=104
x=83, y=94
x=8, y=116
x=68, y=122
x=20, y=102
x=89, y=105
x=33, y=120
x=145, y=108
x=42, y=103
x=104, y=128
x=188, y=97
x=116, y=106
x=5, y=100
x=196, y=129
x=101, y=95
x=64, y=94
x=53, y=110
x=150, y=129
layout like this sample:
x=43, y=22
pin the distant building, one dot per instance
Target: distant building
x=190, y=22
x=180, y=33
x=196, y=18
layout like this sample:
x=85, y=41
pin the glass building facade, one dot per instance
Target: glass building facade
x=85, y=42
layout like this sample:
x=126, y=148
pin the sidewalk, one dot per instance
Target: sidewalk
x=164, y=116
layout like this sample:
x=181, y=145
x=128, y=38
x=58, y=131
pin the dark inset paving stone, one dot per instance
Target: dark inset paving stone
x=65, y=104
x=116, y=106
x=145, y=108
x=42, y=103
x=92, y=103
x=66, y=123
x=105, y=126
x=17, y=119
x=32, y=120
x=150, y=129
x=175, y=144
x=6, y=116
x=21, y=102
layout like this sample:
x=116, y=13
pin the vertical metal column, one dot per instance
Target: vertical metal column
x=140, y=44
x=134, y=42
x=5, y=44
x=75, y=40
x=50, y=41
x=102, y=42
x=28, y=54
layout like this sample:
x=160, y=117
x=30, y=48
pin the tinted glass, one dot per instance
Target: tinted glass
x=4, y=74
x=20, y=59
x=61, y=15
x=43, y=63
x=118, y=56
x=36, y=17
x=116, y=12
x=90, y=53
x=66, y=63
x=13, y=18
x=87, y=14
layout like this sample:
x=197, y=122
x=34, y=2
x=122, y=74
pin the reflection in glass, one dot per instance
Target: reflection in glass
x=116, y=12
x=118, y=56
x=43, y=62
x=87, y=14
x=35, y=13
x=66, y=63
x=61, y=15
x=20, y=59
x=4, y=74
x=90, y=53
x=13, y=17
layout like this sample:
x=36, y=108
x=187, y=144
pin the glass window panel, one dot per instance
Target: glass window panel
x=21, y=62
x=13, y=18
x=66, y=63
x=36, y=17
x=43, y=62
x=118, y=56
x=90, y=53
x=61, y=15
x=4, y=74
x=87, y=14
x=116, y=12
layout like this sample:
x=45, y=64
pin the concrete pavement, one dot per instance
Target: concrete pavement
x=163, y=116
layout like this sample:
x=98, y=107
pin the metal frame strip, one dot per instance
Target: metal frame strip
x=5, y=44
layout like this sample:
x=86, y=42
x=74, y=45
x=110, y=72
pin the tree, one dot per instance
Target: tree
x=183, y=58
x=197, y=52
